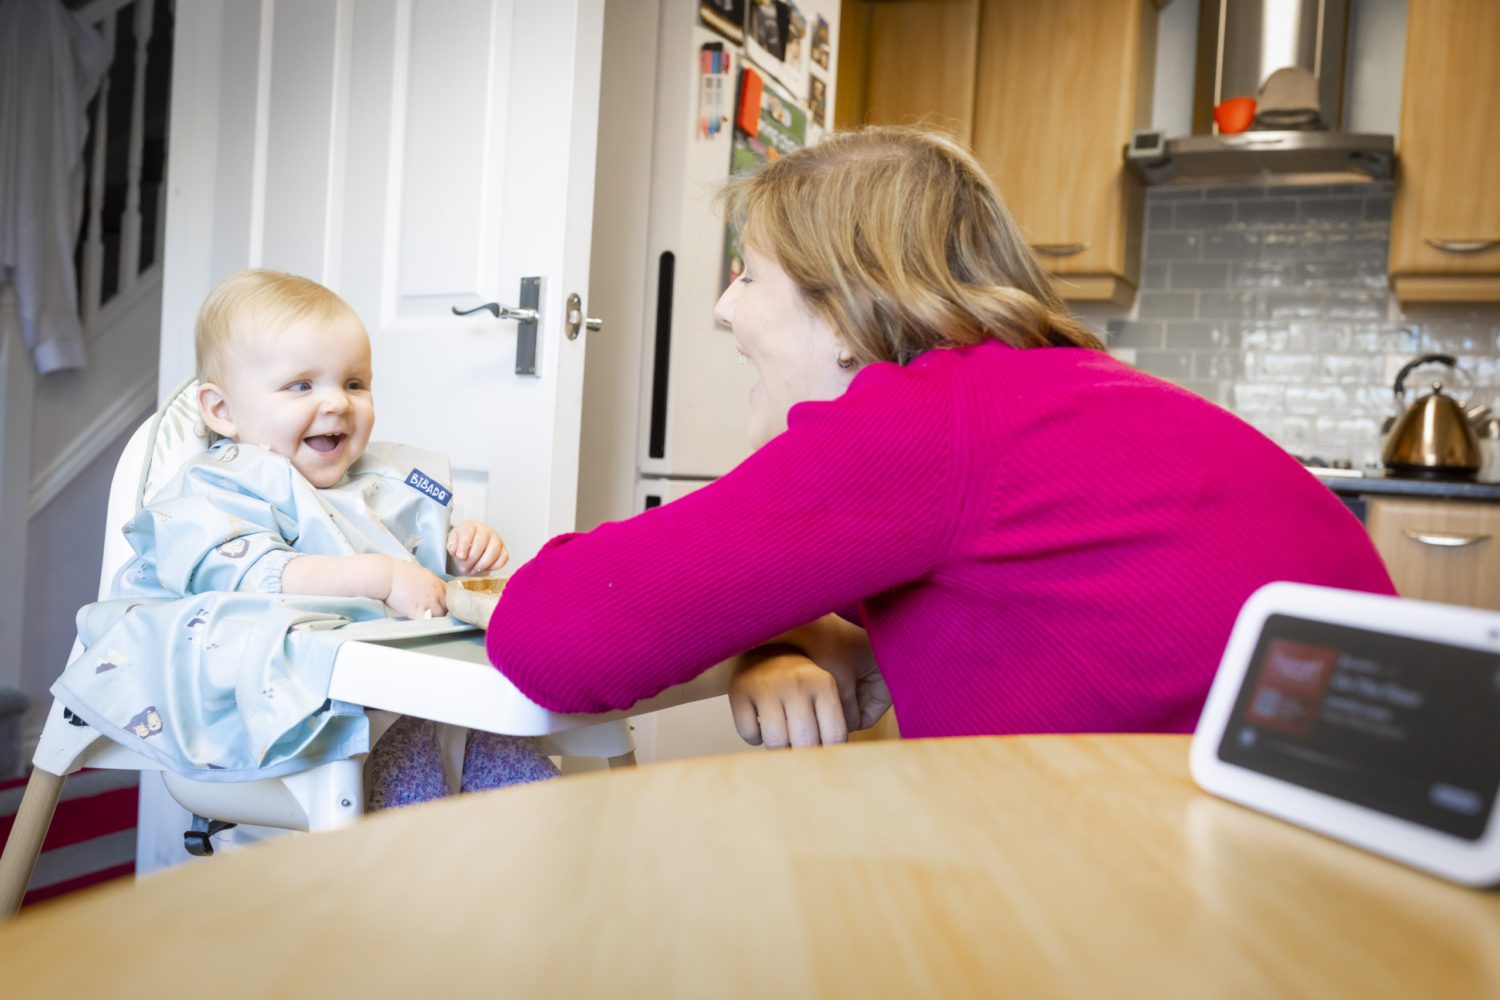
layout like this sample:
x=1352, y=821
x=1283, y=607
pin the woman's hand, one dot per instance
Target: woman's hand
x=415, y=592
x=474, y=548
x=843, y=650
x=780, y=698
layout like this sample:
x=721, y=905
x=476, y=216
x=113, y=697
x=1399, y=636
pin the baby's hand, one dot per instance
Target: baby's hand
x=416, y=592
x=473, y=548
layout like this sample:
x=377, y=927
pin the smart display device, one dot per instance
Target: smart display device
x=1371, y=719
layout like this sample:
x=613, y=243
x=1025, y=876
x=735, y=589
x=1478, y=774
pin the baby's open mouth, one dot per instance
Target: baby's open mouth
x=324, y=442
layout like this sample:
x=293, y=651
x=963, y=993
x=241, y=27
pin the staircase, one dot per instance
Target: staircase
x=58, y=431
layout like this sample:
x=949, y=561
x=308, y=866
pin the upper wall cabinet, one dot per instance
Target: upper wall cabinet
x=1445, y=230
x=1060, y=87
x=1047, y=94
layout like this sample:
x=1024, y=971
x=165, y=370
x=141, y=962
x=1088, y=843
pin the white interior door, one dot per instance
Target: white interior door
x=413, y=155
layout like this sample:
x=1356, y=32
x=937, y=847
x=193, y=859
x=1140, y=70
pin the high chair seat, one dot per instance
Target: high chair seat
x=436, y=670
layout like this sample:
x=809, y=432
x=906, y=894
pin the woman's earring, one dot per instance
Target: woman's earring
x=845, y=359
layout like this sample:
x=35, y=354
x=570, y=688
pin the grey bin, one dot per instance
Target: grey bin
x=12, y=716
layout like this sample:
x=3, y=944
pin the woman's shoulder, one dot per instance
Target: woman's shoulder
x=992, y=363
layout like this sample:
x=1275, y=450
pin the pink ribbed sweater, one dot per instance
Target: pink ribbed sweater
x=1037, y=541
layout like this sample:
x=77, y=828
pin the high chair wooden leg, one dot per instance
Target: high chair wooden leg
x=24, y=845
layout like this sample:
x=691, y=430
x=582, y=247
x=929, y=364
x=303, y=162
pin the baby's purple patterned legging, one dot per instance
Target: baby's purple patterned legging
x=406, y=764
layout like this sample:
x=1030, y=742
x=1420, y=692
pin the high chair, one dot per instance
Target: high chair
x=435, y=670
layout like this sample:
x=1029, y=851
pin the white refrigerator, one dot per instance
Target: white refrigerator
x=694, y=390
x=662, y=366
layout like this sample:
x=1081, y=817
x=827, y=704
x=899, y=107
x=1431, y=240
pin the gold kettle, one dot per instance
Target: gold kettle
x=1432, y=438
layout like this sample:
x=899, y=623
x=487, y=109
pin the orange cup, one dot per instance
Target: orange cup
x=1235, y=114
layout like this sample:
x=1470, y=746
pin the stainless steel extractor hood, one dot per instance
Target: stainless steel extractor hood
x=1289, y=54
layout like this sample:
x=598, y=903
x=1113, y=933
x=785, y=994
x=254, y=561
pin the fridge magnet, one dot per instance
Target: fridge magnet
x=817, y=101
x=821, y=43
x=713, y=76
x=776, y=41
x=768, y=29
x=780, y=129
x=747, y=106
x=727, y=17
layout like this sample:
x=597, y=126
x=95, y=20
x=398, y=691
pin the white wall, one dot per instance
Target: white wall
x=65, y=542
x=73, y=408
x=78, y=425
x=16, y=380
x=618, y=270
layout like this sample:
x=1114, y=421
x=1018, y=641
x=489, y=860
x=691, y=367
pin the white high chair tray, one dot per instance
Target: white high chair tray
x=439, y=670
x=397, y=629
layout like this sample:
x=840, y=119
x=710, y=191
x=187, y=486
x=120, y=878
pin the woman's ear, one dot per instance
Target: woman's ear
x=215, y=410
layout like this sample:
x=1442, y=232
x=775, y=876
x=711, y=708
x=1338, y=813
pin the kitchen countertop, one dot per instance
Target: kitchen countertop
x=1437, y=489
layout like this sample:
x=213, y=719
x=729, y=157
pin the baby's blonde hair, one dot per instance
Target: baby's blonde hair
x=255, y=301
x=898, y=238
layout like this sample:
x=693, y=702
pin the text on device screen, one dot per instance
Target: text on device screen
x=1404, y=726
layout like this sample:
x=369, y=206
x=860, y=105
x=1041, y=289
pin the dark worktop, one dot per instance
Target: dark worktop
x=1433, y=489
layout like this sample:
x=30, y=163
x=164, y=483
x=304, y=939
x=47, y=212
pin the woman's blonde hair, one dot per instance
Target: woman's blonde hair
x=254, y=301
x=900, y=241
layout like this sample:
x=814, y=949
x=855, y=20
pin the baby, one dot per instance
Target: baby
x=294, y=512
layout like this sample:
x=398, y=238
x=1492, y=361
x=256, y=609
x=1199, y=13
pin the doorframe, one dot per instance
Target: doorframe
x=189, y=203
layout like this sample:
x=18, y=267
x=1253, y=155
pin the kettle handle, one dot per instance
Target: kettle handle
x=1442, y=359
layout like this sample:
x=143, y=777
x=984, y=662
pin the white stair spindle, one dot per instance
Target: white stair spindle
x=130, y=235
x=93, y=244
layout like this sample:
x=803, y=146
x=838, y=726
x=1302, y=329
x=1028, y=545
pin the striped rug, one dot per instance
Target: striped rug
x=92, y=837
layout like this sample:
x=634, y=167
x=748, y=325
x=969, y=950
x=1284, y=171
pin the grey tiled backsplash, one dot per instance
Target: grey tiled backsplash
x=1274, y=303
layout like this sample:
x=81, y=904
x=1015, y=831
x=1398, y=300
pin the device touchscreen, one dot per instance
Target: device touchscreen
x=1404, y=726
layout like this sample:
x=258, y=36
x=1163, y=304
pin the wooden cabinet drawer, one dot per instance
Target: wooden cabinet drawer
x=1440, y=550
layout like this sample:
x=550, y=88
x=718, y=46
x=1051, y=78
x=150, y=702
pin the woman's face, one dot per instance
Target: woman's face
x=795, y=352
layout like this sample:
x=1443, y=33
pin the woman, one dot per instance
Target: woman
x=1037, y=537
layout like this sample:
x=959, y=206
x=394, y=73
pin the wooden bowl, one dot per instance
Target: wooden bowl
x=473, y=598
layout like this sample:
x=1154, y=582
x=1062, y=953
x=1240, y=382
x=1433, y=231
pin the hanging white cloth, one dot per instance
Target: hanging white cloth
x=51, y=62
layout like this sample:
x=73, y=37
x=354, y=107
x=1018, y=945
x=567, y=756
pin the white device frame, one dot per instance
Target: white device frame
x=1474, y=863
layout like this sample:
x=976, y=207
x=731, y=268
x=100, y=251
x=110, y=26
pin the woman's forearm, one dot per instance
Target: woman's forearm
x=834, y=644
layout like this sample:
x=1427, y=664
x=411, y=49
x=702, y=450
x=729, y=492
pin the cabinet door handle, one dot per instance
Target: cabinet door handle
x=1462, y=246
x=1443, y=539
x=1060, y=249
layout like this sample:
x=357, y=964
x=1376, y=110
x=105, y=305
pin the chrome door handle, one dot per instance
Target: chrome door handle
x=1060, y=249
x=1462, y=246
x=577, y=321
x=502, y=312
x=1443, y=539
x=528, y=316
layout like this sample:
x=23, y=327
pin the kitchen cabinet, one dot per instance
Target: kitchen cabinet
x=1439, y=550
x=904, y=62
x=1445, y=227
x=1060, y=86
x=1047, y=95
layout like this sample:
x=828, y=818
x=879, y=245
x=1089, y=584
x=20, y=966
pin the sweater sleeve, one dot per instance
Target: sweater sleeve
x=857, y=497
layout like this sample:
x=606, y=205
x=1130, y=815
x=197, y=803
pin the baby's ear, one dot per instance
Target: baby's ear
x=215, y=410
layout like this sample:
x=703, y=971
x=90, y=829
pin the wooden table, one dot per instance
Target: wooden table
x=1027, y=867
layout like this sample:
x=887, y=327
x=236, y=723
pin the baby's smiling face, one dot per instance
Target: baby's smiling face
x=302, y=391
